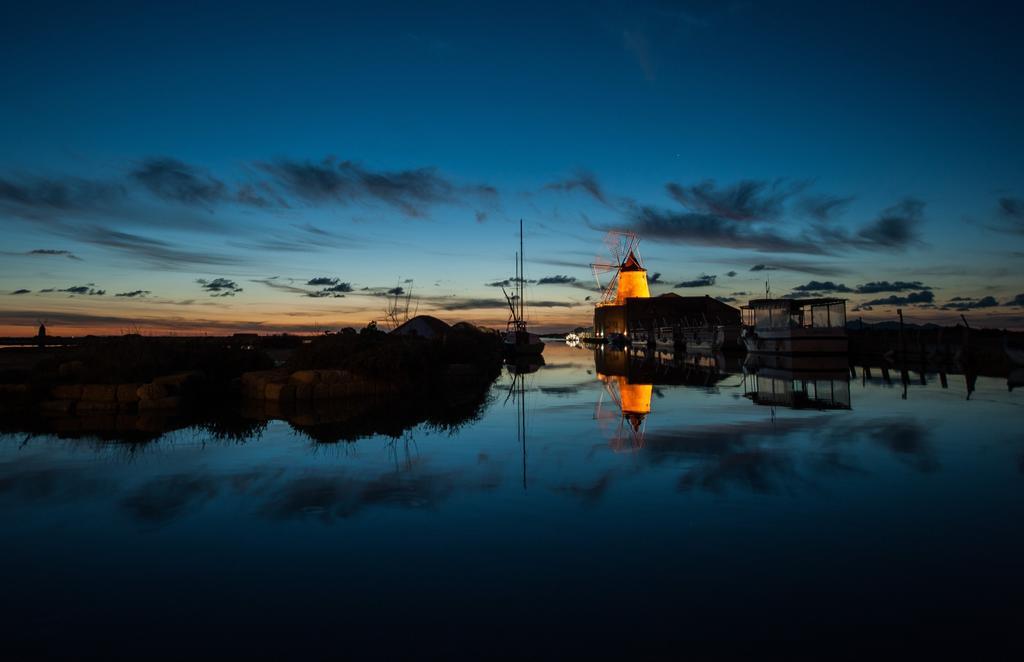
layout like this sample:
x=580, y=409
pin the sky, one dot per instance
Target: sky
x=279, y=167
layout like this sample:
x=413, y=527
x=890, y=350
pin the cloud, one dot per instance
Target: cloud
x=51, y=251
x=480, y=216
x=79, y=289
x=346, y=182
x=39, y=198
x=556, y=280
x=742, y=216
x=337, y=290
x=819, y=286
x=323, y=280
x=730, y=274
x=925, y=296
x=1016, y=301
x=1011, y=214
x=153, y=251
x=220, y=287
x=763, y=267
x=823, y=208
x=895, y=286
x=703, y=280
x=895, y=228
x=654, y=278
x=712, y=230
x=134, y=294
x=275, y=284
x=727, y=299
x=22, y=291
x=968, y=303
x=583, y=180
x=746, y=200
x=176, y=181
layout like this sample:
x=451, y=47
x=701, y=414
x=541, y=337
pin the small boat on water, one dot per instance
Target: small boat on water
x=795, y=326
x=518, y=340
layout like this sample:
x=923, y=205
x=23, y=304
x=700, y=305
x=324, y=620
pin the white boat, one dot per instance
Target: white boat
x=518, y=340
x=795, y=326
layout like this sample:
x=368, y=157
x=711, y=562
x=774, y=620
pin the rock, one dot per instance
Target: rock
x=322, y=391
x=95, y=407
x=127, y=392
x=67, y=392
x=462, y=370
x=152, y=392
x=280, y=392
x=70, y=369
x=13, y=390
x=99, y=393
x=332, y=376
x=305, y=377
x=254, y=384
x=169, y=402
x=180, y=381
x=340, y=391
x=303, y=392
x=56, y=407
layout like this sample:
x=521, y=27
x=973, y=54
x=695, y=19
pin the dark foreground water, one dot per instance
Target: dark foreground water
x=712, y=524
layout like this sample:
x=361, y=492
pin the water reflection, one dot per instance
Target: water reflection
x=842, y=489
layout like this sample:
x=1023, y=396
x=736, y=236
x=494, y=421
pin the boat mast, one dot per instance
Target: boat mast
x=522, y=275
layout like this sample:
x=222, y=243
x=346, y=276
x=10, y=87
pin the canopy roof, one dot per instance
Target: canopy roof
x=792, y=303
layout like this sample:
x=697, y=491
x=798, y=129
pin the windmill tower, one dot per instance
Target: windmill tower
x=629, y=277
x=628, y=281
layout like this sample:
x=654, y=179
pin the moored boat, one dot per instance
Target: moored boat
x=795, y=326
x=518, y=340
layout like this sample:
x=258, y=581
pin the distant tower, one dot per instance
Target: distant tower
x=632, y=281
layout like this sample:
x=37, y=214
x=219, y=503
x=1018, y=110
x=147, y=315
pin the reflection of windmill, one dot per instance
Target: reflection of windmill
x=634, y=404
x=629, y=278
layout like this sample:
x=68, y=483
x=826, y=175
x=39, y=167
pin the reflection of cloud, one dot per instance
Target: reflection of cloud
x=336, y=496
x=169, y=497
x=56, y=485
x=589, y=494
x=759, y=470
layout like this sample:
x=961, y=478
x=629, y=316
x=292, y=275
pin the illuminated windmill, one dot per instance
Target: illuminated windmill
x=629, y=277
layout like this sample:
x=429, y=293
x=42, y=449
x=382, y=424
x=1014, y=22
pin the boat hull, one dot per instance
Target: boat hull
x=796, y=341
x=521, y=343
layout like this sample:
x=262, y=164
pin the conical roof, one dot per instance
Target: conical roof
x=631, y=263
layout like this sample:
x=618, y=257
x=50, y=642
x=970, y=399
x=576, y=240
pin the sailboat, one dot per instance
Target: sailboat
x=519, y=341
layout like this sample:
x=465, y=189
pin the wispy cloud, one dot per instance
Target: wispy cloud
x=581, y=180
x=746, y=200
x=54, y=252
x=176, y=181
x=345, y=182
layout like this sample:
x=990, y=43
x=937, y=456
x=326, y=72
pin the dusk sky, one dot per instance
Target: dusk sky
x=278, y=167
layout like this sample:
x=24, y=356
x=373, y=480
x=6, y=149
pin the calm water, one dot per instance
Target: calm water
x=711, y=522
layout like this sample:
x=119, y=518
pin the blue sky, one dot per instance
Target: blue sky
x=845, y=147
